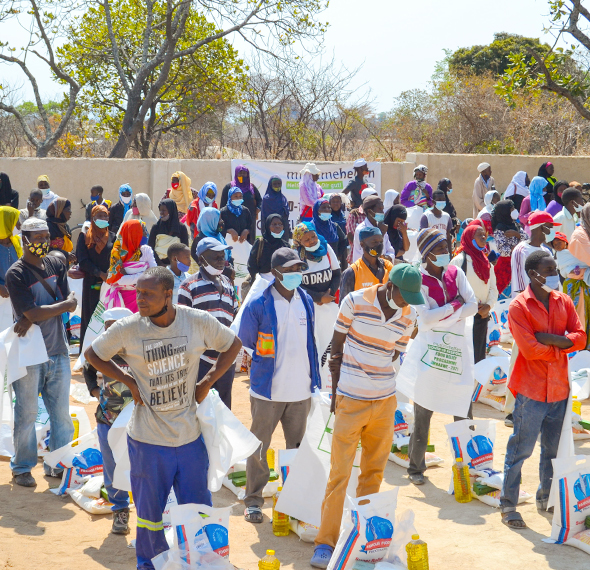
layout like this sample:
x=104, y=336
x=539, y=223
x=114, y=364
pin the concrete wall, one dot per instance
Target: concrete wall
x=73, y=177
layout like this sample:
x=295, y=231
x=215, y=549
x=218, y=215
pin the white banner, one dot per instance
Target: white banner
x=334, y=178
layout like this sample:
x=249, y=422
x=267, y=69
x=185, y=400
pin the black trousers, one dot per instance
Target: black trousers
x=480, y=335
x=224, y=384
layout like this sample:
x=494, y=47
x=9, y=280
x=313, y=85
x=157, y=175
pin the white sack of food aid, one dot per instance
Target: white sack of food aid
x=581, y=383
x=89, y=504
x=366, y=531
x=305, y=531
x=285, y=458
x=308, y=474
x=201, y=528
x=473, y=441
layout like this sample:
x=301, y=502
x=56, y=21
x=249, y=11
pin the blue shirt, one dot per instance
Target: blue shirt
x=7, y=258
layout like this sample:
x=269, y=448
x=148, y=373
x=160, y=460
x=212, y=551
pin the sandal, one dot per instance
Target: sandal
x=253, y=515
x=321, y=556
x=513, y=520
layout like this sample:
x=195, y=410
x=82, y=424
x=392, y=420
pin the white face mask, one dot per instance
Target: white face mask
x=578, y=207
x=126, y=199
x=391, y=302
x=514, y=214
x=211, y=270
x=46, y=191
x=552, y=283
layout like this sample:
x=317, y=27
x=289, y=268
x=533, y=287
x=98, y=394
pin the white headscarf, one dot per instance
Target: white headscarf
x=517, y=185
x=487, y=199
x=390, y=197
x=146, y=215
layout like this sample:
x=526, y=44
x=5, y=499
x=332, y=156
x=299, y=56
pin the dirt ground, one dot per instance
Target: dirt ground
x=39, y=530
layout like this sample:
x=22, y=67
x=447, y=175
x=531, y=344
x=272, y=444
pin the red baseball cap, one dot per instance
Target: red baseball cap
x=538, y=218
x=561, y=236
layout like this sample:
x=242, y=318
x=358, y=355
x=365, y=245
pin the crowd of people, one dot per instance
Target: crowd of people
x=347, y=281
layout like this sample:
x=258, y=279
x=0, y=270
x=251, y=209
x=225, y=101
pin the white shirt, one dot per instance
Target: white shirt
x=430, y=314
x=357, y=250
x=567, y=221
x=177, y=283
x=291, y=381
x=486, y=293
x=429, y=220
x=520, y=280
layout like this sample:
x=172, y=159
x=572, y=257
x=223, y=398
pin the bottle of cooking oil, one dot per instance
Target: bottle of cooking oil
x=76, y=423
x=461, y=481
x=270, y=457
x=280, y=521
x=576, y=406
x=269, y=562
x=417, y=554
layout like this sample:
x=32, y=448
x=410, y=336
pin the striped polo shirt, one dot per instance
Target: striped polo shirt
x=200, y=293
x=367, y=371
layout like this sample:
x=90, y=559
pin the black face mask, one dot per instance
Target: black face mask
x=374, y=251
x=161, y=312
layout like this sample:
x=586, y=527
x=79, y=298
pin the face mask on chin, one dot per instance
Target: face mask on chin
x=390, y=301
x=210, y=269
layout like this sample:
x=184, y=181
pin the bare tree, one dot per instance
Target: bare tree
x=43, y=23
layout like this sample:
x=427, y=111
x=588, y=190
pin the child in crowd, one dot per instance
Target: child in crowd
x=112, y=397
x=33, y=209
x=567, y=264
x=179, y=256
x=438, y=219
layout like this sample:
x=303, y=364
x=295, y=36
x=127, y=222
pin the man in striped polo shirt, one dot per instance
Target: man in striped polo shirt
x=210, y=291
x=373, y=327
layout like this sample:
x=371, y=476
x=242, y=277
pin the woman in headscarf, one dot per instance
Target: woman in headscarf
x=556, y=205
x=507, y=235
x=181, y=192
x=10, y=251
x=250, y=194
x=166, y=231
x=129, y=260
x=332, y=233
x=546, y=171
x=237, y=220
x=397, y=229
x=518, y=189
x=490, y=199
x=210, y=225
x=141, y=209
x=59, y=213
x=93, y=251
x=205, y=199
x=575, y=286
x=48, y=195
x=272, y=239
x=321, y=280
x=391, y=198
x=309, y=190
x=338, y=210
x=8, y=196
x=119, y=210
x=480, y=275
x=275, y=202
x=535, y=201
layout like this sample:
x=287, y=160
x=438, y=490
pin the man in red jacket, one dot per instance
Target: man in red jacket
x=545, y=327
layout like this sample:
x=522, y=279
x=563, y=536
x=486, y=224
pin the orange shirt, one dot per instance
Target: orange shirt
x=540, y=371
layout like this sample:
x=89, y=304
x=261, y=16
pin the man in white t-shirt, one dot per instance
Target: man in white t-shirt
x=438, y=219
x=542, y=231
x=163, y=344
x=278, y=326
x=373, y=209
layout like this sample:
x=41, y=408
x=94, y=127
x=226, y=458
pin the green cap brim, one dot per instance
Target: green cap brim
x=412, y=298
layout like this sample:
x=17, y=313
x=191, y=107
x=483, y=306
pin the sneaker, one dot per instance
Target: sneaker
x=52, y=471
x=24, y=480
x=417, y=478
x=508, y=421
x=120, y=522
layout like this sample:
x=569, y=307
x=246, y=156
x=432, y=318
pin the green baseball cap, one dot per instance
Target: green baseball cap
x=409, y=281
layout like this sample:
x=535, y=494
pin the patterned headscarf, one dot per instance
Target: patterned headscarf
x=300, y=230
x=97, y=237
x=428, y=239
x=127, y=247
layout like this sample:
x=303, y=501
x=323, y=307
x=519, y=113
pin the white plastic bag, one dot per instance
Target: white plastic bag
x=437, y=371
x=92, y=487
x=91, y=505
x=366, y=531
x=201, y=528
x=95, y=327
x=473, y=441
x=308, y=474
x=240, y=253
x=226, y=438
x=285, y=458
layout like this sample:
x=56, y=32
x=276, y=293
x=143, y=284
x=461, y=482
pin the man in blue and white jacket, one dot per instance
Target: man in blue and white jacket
x=278, y=326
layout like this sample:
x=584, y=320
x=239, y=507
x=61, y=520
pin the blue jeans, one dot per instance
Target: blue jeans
x=52, y=380
x=120, y=499
x=531, y=418
x=155, y=469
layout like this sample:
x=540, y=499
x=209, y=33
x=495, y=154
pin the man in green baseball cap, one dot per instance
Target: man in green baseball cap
x=373, y=326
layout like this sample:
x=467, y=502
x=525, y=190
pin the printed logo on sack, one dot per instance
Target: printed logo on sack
x=400, y=422
x=499, y=376
x=379, y=532
x=582, y=492
x=494, y=338
x=481, y=450
x=444, y=355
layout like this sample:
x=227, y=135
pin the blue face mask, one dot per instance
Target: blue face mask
x=314, y=247
x=449, y=190
x=477, y=246
x=207, y=200
x=291, y=280
x=442, y=260
x=379, y=217
x=279, y=235
x=550, y=236
x=237, y=202
x=184, y=268
x=325, y=216
x=440, y=205
x=102, y=224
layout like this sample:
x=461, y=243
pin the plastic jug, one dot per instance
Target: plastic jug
x=269, y=562
x=280, y=521
x=417, y=554
x=461, y=482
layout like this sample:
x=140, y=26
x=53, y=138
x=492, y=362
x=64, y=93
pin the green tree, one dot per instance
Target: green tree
x=196, y=83
x=495, y=57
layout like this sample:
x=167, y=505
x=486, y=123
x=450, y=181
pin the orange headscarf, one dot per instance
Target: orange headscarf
x=95, y=236
x=126, y=248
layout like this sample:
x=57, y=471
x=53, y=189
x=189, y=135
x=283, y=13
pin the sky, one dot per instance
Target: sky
x=396, y=42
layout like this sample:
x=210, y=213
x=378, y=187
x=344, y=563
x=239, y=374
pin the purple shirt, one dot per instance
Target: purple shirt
x=554, y=208
x=406, y=197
